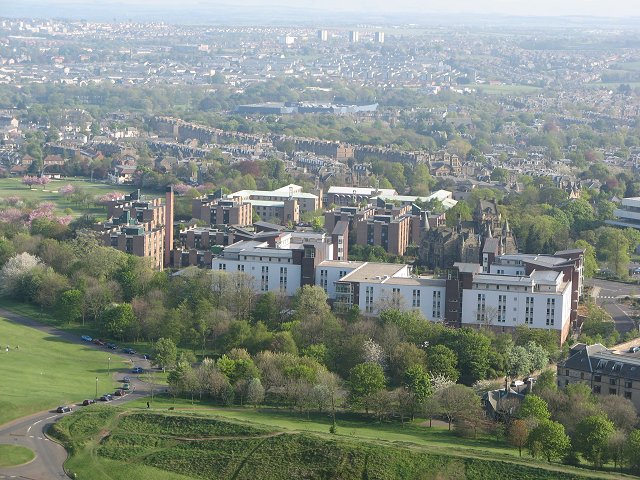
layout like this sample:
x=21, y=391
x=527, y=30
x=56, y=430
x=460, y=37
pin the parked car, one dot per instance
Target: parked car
x=112, y=346
x=130, y=351
x=119, y=393
x=97, y=341
x=88, y=401
x=86, y=338
x=634, y=349
x=146, y=356
x=63, y=409
x=105, y=398
x=137, y=370
x=126, y=386
x=126, y=379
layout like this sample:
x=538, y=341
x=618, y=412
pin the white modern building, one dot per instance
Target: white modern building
x=628, y=214
x=283, y=266
x=270, y=200
x=444, y=196
x=374, y=287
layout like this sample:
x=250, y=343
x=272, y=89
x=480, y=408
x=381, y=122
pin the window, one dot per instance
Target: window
x=597, y=378
x=395, y=297
x=613, y=391
x=566, y=372
x=323, y=279
x=368, y=300
x=264, y=279
x=222, y=266
x=416, y=299
x=480, y=312
x=436, y=313
x=283, y=278
x=627, y=395
x=581, y=375
x=502, y=308
x=628, y=384
x=241, y=268
x=613, y=381
x=596, y=389
x=551, y=311
x=528, y=312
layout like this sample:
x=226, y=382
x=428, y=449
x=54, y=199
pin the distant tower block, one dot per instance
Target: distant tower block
x=323, y=35
x=354, y=37
x=379, y=37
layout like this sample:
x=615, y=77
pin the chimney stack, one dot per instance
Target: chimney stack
x=168, y=226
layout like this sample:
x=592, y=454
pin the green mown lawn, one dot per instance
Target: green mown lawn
x=13, y=187
x=12, y=455
x=41, y=371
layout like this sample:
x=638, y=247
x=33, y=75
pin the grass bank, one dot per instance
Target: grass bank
x=41, y=371
x=117, y=443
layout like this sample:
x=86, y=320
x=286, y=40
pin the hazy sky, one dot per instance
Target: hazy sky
x=610, y=8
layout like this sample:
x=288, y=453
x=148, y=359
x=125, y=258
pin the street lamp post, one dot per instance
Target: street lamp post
x=96, y=387
x=109, y=366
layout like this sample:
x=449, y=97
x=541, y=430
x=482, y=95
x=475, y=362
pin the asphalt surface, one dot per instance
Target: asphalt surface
x=609, y=294
x=30, y=431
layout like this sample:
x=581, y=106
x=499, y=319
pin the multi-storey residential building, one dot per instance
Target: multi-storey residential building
x=351, y=196
x=627, y=215
x=282, y=265
x=289, y=200
x=218, y=211
x=506, y=291
x=605, y=372
x=541, y=299
x=537, y=291
x=141, y=227
x=386, y=225
x=374, y=287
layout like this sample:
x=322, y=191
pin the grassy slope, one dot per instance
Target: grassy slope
x=47, y=371
x=111, y=443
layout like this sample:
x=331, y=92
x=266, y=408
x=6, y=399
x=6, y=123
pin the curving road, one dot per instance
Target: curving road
x=609, y=296
x=30, y=431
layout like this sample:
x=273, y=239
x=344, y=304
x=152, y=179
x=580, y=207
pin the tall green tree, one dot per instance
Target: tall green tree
x=365, y=380
x=549, y=439
x=164, y=353
x=592, y=438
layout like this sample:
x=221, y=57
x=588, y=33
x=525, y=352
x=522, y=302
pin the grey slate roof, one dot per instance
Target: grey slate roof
x=598, y=360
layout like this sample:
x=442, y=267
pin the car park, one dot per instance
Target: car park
x=88, y=401
x=63, y=409
x=86, y=338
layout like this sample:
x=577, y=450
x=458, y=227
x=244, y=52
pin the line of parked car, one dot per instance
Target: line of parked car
x=112, y=346
x=125, y=389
